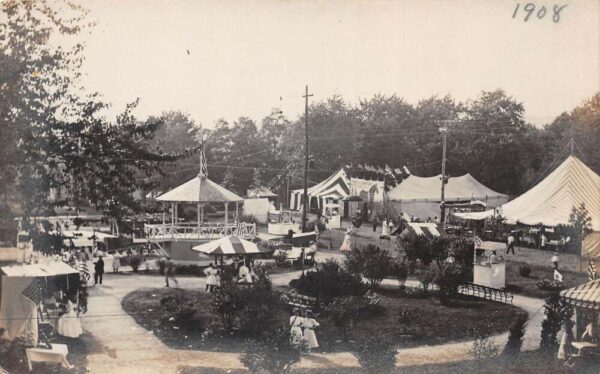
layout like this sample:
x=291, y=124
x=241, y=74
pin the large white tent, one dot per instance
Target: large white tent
x=551, y=201
x=421, y=196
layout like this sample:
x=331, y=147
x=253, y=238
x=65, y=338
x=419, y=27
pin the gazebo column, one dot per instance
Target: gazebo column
x=202, y=213
x=198, y=216
x=226, y=216
x=237, y=219
x=172, y=214
x=163, y=209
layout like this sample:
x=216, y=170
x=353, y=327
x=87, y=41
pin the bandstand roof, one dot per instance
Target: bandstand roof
x=200, y=190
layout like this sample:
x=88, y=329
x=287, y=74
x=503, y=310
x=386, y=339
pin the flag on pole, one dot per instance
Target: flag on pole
x=592, y=270
x=203, y=165
x=34, y=291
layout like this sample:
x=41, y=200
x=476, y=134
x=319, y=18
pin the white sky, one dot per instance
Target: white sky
x=244, y=55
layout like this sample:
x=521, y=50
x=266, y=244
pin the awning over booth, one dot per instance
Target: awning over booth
x=585, y=295
x=200, y=190
x=38, y=270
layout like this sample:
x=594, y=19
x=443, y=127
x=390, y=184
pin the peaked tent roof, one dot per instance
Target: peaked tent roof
x=550, y=202
x=428, y=188
x=199, y=190
x=337, y=183
x=585, y=295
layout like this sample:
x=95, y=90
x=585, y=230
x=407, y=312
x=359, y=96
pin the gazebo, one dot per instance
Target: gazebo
x=199, y=191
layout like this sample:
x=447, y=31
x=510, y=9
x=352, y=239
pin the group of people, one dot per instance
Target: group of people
x=303, y=329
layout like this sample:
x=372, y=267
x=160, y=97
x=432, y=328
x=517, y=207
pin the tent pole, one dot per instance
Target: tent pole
x=202, y=213
x=237, y=212
x=226, y=217
x=163, y=215
x=198, y=216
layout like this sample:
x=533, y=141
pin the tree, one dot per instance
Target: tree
x=371, y=262
x=376, y=354
x=415, y=248
x=343, y=312
x=581, y=221
x=556, y=311
x=228, y=180
x=448, y=278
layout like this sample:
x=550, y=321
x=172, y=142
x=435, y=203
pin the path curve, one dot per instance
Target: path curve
x=121, y=345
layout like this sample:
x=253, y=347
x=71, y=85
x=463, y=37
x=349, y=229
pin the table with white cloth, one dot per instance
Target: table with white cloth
x=58, y=354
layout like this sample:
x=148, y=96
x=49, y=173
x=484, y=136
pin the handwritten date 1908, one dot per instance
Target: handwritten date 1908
x=531, y=10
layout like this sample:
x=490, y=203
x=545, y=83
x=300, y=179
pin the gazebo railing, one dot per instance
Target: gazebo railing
x=205, y=231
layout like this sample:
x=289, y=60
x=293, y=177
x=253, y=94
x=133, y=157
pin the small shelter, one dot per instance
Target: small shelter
x=421, y=196
x=23, y=287
x=585, y=300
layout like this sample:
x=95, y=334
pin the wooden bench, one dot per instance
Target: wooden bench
x=296, y=300
x=487, y=293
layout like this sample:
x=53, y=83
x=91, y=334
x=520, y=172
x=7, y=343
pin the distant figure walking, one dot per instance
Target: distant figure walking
x=346, y=244
x=169, y=270
x=309, y=324
x=211, y=277
x=555, y=260
x=375, y=223
x=98, y=271
x=510, y=244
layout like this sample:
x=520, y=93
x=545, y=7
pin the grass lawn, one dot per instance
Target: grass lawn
x=428, y=321
x=527, y=286
x=527, y=362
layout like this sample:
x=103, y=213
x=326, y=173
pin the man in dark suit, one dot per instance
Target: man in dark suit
x=98, y=271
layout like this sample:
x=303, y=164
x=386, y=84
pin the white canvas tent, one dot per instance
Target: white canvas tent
x=550, y=202
x=337, y=187
x=421, y=196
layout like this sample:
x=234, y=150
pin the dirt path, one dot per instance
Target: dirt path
x=125, y=347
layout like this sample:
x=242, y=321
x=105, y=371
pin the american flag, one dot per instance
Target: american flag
x=592, y=270
x=84, y=272
x=34, y=291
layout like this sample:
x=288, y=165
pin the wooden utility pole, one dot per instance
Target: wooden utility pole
x=305, y=196
x=444, y=132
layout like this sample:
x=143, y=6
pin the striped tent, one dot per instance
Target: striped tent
x=229, y=246
x=585, y=295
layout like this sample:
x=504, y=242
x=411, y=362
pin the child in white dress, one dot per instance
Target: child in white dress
x=309, y=324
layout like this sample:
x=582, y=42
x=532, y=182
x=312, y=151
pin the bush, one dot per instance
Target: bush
x=183, y=308
x=371, y=262
x=483, y=349
x=275, y=352
x=12, y=354
x=135, y=261
x=399, y=270
x=549, y=284
x=343, y=312
x=328, y=282
x=448, y=278
x=515, y=336
x=280, y=259
x=376, y=355
x=524, y=270
x=188, y=270
x=426, y=277
x=248, y=219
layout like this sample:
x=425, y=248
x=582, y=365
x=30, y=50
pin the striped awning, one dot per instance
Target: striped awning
x=229, y=246
x=586, y=295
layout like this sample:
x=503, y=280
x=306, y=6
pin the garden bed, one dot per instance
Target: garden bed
x=428, y=321
x=528, y=286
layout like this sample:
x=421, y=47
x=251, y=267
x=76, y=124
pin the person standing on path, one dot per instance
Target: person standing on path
x=98, y=271
x=211, y=277
x=555, y=260
x=169, y=269
x=375, y=223
x=510, y=244
x=296, y=322
x=116, y=262
x=309, y=324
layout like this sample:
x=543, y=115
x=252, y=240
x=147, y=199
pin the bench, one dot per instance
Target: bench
x=487, y=293
x=296, y=300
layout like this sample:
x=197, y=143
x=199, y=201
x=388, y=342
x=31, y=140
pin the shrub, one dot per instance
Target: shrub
x=371, y=262
x=483, y=348
x=376, y=355
x=189, y=270
x=328, y=282
x=183, y=307
x=399, y=270
x=343, y=312
x=556, y=311
x=515, y=336
x=426, y=277
x=275, y=352
x=524, y=270
x=448, y=278
x=549, y=284
x=415, y=248
x=280, y=259
x=248, y=219
x=135, y=261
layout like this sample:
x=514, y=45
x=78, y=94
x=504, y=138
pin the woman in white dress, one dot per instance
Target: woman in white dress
x=116, y=262
x=211, y=277
x=309, y=324
x=385, y=229
x=347, y=245
x=69, y=324
x=296, y=326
